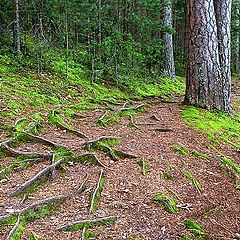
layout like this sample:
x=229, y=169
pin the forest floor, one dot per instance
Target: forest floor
x=161, y=154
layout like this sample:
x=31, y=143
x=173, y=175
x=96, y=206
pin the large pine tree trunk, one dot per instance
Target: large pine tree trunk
x=223, y=15
x=205, y=86
x=168, y=39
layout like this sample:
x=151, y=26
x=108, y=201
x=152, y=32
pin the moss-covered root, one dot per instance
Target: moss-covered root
x=95, y=198
x=6, y=145
x=34, y=180
x=20, y=218
x=194, y=180
x=59, y=122
x=80, y=225
x=167, y=202
x=144, y=167
x=110, y=117
x=196, y=229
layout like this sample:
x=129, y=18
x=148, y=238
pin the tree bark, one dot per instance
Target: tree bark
x=168, y=39
x=236, y=36
x=223, y=16
x=17, y=28
x=205, y=85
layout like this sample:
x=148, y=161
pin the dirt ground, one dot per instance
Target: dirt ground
x=129, y=194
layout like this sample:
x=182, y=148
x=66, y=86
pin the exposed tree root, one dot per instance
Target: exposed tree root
x=123, y=154
x=90, y=157
x=13, y=165
x=15, y=228
x=137, y=107
x=37, y=177
x=116, y=113
x=93, y=144
x=82, y=187
x=79, y=225
x=47, y=201
x=6, y=145
x=97, y=193
x=154, y=117
x=42, y=140
x=162, y=129
x=72, y=130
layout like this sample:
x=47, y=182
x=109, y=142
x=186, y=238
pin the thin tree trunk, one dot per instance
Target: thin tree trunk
x=17, y=27
x=236, y=36
x=168, y=39
x=205, y=87
x=223, y=15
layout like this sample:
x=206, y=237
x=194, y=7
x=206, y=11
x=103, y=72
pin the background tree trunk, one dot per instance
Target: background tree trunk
x=223, y=15
x=205, y=87
x=17, y=28
x=236, y=36
x=168, y=39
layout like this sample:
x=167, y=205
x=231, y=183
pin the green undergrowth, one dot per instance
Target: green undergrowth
x=23, y=90
x=219, y=126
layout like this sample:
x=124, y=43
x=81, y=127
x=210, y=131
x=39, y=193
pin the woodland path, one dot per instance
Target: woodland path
x=128, y=193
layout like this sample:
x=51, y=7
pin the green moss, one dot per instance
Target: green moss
x=167, y=176
x=180, y=149
x=201, y=155
x=219, y=126
x=185, y=238
x=196, y=229
x=29, y=216
x=89, y=235
x=114, y=117
x=34, y=236
x=191, y=178
x=167, y=202
x=227, y=162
